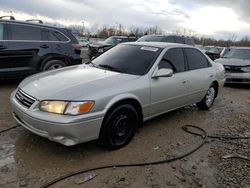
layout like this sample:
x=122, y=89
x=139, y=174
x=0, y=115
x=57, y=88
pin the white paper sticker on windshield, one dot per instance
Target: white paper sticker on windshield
x=152, y=49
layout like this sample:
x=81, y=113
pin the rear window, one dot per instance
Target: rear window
x=23, y=32
x=57, y=36
x=129, y=59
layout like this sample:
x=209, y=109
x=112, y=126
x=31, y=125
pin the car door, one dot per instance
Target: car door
x=168, y=93
x=200, y=74
x=3, y=48
x=26, y=47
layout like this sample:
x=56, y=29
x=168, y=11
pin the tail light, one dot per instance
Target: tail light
x=76, y=46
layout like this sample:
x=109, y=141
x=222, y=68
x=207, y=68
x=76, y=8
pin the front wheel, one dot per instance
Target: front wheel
x=119, y=127
x=53, y=64
x=208, y=100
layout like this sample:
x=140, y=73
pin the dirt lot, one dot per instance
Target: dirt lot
x=27, y=160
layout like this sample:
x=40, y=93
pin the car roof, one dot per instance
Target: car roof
x=30, y=23
x=160, y=35
x=158, y=44
x=240, y=47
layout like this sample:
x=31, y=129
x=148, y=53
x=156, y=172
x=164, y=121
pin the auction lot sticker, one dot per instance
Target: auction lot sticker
x=152, y=49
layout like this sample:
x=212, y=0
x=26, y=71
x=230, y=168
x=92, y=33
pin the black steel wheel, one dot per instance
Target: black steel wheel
x=119, y=127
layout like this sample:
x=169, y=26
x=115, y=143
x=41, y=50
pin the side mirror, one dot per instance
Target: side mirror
x=163, y=73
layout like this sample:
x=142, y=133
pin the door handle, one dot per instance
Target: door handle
x=211, y=76
x=184, y=81
x=2, y=47
x=44, y=46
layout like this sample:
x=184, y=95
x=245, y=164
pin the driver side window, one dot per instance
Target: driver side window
x=173, y=59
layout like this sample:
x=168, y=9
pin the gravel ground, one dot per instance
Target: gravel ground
x=27, y=160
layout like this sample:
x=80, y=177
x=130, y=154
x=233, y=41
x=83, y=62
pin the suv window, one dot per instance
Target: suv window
x=179, y=40
x=124, y=40
x=196, y=60
x=168, y=39
x=189, y=41
x=173, y=59
x=22, y=32
x=56, y=36
x=1, y=31
x=150, y=38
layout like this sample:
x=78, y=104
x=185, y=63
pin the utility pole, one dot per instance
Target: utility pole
x=83, y=27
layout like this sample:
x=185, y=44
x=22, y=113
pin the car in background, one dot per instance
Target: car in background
x=237, y=65
x=214, y=52
x=28, y=47
x=96, y=49
x=111, y=96
x=167, y=38
x=84, y=42
x=201, y=48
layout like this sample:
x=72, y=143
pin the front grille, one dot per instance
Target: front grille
x=24, y=98
x=233, y=69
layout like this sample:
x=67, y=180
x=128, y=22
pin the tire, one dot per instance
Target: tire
x=119, y=127
x=53, y=64
x=208, y=100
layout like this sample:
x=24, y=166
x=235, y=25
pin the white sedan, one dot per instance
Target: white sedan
x=108, y=98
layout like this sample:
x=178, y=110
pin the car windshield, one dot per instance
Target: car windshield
x=238, y=54
x=150, y=39
x=111, y=40
x=127, y=58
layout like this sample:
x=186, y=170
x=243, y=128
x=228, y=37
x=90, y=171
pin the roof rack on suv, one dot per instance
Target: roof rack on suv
x=11, y=17
x=35, y=20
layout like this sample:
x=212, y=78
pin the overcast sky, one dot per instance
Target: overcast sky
x=216, y=18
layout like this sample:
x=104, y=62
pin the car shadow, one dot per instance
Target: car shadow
x=238, y=86
x=10, y=82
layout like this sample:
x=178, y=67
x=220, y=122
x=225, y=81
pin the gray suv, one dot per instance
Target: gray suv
x=167, y=38
x=27, y=48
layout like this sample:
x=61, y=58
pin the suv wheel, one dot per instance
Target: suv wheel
x=119, y=127
x=53, y=64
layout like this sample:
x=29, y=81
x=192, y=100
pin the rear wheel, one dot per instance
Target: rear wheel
x=53, y=64
x=119, y=127
x=208, y=100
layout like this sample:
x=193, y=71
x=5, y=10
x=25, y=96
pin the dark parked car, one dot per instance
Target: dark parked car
x=27, y=48
x=167, y=38
x=97, y=49
x=214, y=52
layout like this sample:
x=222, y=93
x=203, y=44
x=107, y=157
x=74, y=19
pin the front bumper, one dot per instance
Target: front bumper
x=243, y=78
x=66, y=130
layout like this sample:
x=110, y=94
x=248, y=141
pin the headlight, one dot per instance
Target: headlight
x=246, y=69
x=66, y=107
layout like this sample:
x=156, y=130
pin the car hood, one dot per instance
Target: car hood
x=233, y=62
x=72, y=83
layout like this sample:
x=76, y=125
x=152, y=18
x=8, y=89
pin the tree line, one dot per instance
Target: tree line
x=105, y=31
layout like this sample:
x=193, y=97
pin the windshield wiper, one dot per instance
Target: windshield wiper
x=90, y=62
x=110, y=67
